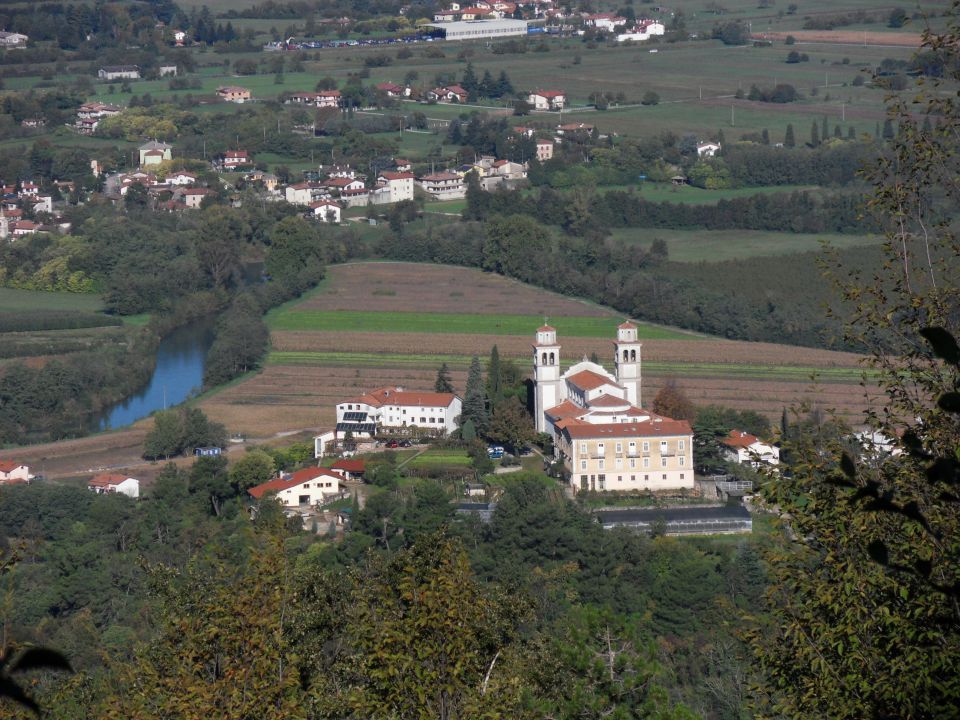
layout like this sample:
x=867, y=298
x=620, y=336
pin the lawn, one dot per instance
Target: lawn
x=435, y=458
x=12, y=300
x=413, y=322
x=717, y=245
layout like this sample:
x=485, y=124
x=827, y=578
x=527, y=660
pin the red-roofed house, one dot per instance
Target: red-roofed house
x=398, y=184
x=193, y=197
x=451, y=93
x=743, y=448
x=235, y=158
x=547, y=100
x=19, y=228
x=323, y=98
x=325, y=211
x=111, y=483
x=233, y=93
x=393, y=408
x=444, y=185
x=394, y=90
x=604, y=438
x=544, y=150
x=13, y=472
x=308, y=487
x=350, y=468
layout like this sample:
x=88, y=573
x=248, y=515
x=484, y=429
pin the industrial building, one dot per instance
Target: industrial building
x=479, y=29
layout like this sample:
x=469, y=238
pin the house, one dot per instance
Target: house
x=324, y=98
x=304, y=193
x=97, y=110
x=109, y=483
x=708, y=149
x=604, y=21
x=29, y=189
x=693, y=520
x=401, y=165
x=193, y=197
x=341, y=184
x=182, y=178
x=476, y=13
x=12, y=472
x=42, y=203
x=358, y=197
x=12, y=40
x=452, y=94
x=544, y=150
x=86, y=126
x=746, y=449
x=269, y=180
x=309, y=487
x=398, y=184
x=394, y=90
x=350, y=468
x=602, y=435
x=34, y=122
x=547, y=100
x=165, y=70
x=396, y=409
x=325, y=211
x=19, y=228
x=233, y=93
x=235, y=158
x=643, y=31
x=119, y=72
x=179, y=38
x=574, y=128
x=154, y=153
x=443, y=185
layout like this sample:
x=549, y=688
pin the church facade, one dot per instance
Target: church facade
x=601, y=433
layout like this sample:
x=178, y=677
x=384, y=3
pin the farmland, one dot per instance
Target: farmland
x=309, y=370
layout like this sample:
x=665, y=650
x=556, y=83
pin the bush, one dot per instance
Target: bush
x=791, y=40
x=650, y=98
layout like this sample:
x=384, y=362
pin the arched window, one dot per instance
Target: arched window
x=633, y=356
x=553, y=360
x=625, y=356
x=543, y=360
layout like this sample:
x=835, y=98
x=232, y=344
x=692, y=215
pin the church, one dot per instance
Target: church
x=601, y=433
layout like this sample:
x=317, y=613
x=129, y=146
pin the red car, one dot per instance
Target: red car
x=393, y=444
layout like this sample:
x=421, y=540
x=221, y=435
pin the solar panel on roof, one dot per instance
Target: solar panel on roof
x=357, y=427
x=354, y=416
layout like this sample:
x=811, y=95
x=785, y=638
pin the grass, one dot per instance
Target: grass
x=13, y=300
x=718, y=245
x=791, y=373
x=437, y=458
x=412, y=322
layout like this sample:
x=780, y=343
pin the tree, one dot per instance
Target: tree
x=475, y=399
x=898, y=18
x=442, y=383
x=650, y=98
x=864, y=577
x=788, y=139
x=469, y=81
x=814, y=135
x=254, y=468
x=672, y=402
x=511, y=424
x=494, y=378
x=240, y=343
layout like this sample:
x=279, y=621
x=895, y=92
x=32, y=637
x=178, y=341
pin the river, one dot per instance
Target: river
x=179, y=374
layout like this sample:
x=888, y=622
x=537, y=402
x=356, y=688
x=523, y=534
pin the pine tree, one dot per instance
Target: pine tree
x=851, y=133
x=475, y=399
x=824, y=130
x=765, y=137
x=504, y=86
x=488, y=87
x=469, y=82
x=788, y=138
x=837, y=132
x=443, y=384
x=814, y=135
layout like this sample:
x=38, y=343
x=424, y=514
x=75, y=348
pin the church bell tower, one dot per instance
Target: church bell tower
x=627, y=361
x=546, y=373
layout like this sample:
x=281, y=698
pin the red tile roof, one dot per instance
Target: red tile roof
x=351, y=466
x=415, y=398
x=397, y=175
x=549, y=93
x=9, y=465
x=607, y=400
x=106, y=480
x=588, y=431
x=565, y=409
x=627, y=326
x=739, y=439
x=589, y=380
x=297, y=478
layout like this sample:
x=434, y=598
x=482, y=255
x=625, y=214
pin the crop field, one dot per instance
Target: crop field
x=309, y=371
x=13, y=300
x=436, y=458
x=717, y=245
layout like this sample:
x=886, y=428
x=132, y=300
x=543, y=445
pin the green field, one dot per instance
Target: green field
x=718, y=245
x=12, y=300
x=789, y=373
x=412, y=322
x=437, y=458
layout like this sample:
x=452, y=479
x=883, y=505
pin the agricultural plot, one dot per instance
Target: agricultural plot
x=13, y=300
x=440, y=458
x=716, y=245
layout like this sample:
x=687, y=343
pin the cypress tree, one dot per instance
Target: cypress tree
x=469, y=82
x=494, y=378
x=765, y=136
x=837, y=132
x=824, y=130
x=814, y=135
x=443, y=384
x=788, y=139
x=851, y=133
x=504, y=86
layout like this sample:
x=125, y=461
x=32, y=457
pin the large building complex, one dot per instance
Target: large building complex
x=479, y=29
x=393, y=409
x=604, y=438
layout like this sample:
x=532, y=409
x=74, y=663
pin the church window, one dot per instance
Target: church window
x=625, y=356
x=633, y=356
x=552, y=359
x=543, y=359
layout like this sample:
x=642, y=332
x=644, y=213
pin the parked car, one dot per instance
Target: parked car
x=393, y=444
x=495, y=452
x=404, y=443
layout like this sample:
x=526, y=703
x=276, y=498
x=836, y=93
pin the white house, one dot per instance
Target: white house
x=165, y=70
x=234, y=94
x=324, y=98
x=707, y=149
x=304, y=193
x=182, y=177
x=746, y=449
x=393, y=408
x=11, y=40
x=235, y=158
x=119, y=72
x=193, y=197
x=342, y=184
x=547, y=100
x=108, y=483
x=450, y=93
x=602, y=435
x=604, y=21
x=12, y=472
x=544, y=150
x=325, y=211
x=399, y=185
x=394, y=90
x=643, y=31
x=308, y=487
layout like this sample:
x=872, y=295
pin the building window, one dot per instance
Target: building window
x=600, y=449
x=633, y=463
x=646, y=462
x=583, y=464
x=633, y=447
x=663, y=446
x=583, y=482
x=681, y=476
x=619, y=463
x=646, y=446
x=601, y=464
x=619, y=478
x=619, y=448
x=583, y=447
x=682, y=445
x=601, y=482
x=682, y=459
x=646, y=478
x=664, y=476
x=663, y=462
x=633, y=478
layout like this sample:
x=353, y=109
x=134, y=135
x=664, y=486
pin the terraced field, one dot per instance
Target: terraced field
x=375, y=324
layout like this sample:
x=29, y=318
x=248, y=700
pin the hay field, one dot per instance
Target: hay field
x=309, y=371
